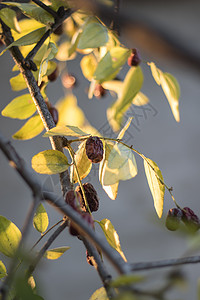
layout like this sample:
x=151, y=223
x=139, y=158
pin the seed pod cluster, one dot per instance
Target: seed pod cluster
x=91, y=196
x=186, y=215
x=94, y=149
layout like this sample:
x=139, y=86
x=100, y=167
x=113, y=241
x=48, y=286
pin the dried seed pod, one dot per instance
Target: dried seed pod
x=190, y=219
x=54, y=75
x=99, y=91
x=68, y=81
x=54, y=112
x=134, y=59
x=91, y=196
x=73, y=198
x=94, y=149
x=59, y=30
x=87, y=217
x=173, y=219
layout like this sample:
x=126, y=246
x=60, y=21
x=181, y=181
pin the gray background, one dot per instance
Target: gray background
x=175, y=147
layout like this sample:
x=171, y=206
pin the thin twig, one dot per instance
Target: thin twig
x=46, y=8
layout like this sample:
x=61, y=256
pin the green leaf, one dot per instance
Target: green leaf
x=99, y=294
x=111, y=63
x=126, y=126
x=170, y=88
x=8, y=16
x=124, y=280
x=121, y=165
x=55, y=253
x=94, y=35
x=65, y=131
x=21, y=108
x=10, y=237
x=50, y=162
x=35, y=12
x=28, y=39
x=155, y=181
x=140, y=99
x=111, y=190
x=111, y=236
x=41, y=220
x=49, y=54
x=31, y=128
x=131, y=86
x=3, y=272
x=83, y=164
x=88, y=66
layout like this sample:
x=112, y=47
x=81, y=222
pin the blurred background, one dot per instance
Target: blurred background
x=165, y=32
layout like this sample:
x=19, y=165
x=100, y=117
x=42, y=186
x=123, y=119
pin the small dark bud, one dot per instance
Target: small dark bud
x=1, y=42
x=91, y=196
x=94, y=149
x=190, y=219
x=173, y=219
x=99, y=91
x=54, y=75
x=68, y=81
x=73, y=198
x=33, y=66
x=134, y=59
x=59, y=30
x=41, y=85
x=87, y=217
x=53, y=111
x=61, y=11
x=89, y=258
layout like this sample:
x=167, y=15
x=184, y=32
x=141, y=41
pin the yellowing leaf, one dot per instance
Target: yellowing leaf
x=18, y=83
x=113, y=85
x=40, y=220
x=111, y=236
x=156, y=186
x=111, y=63
x=50, y=162
x=126, y=126
x=28, y=39
x=35, y=12
x=83, y=164
x=10, y=237
x=8, y=16
x=55, y=253
x=65, y=131
x=140, y=99
x=21, y=107
x=125, y=280
x=26, y=26
x=88, y=66
x=111, y=190
x=31, y=128
x=99, y=294
x=3, y=272
x=121, y=165
x=63, y=52
x=131, y=86
x=170, y=88
x=94, y=35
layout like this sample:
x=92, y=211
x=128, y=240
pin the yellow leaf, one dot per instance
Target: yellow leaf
x=55, y=253
x=88, y=66
x=99, y=294
x=40, y=220
x=31, y=128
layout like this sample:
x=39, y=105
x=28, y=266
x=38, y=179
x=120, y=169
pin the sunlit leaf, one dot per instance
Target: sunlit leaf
x=83, y=164
x=99, y=294
x=31, y=128
x=140, y=99
x=8, y=16
x=170, y=88
x=155, y=181
x=111, y=190
x=35, y=12
x=123, y=131
x=10, y=237
x=26, y=26
x=131, y=86
x=63, y=52
x=65, y=131
x=28, y=39
x=94, y=35
x=88, y=66
x=124, y=280
x=3, y=272
x=111, y=236
x=18, y=83
x=113, y=85
x=50, y=162
x=111, y=63
x=121, y=165
x=21, y=107
x=40, y=220
x=55, y=253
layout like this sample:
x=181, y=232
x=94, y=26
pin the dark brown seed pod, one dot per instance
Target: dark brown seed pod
x=87, y=217
x=99, y=91
x=173, y=219
x=134, y=59
x=54, y=75
x=54, y=112
x=94, y=149
x=59, y=30
x=73, y=198
x=190, y=219
x=91, y=196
